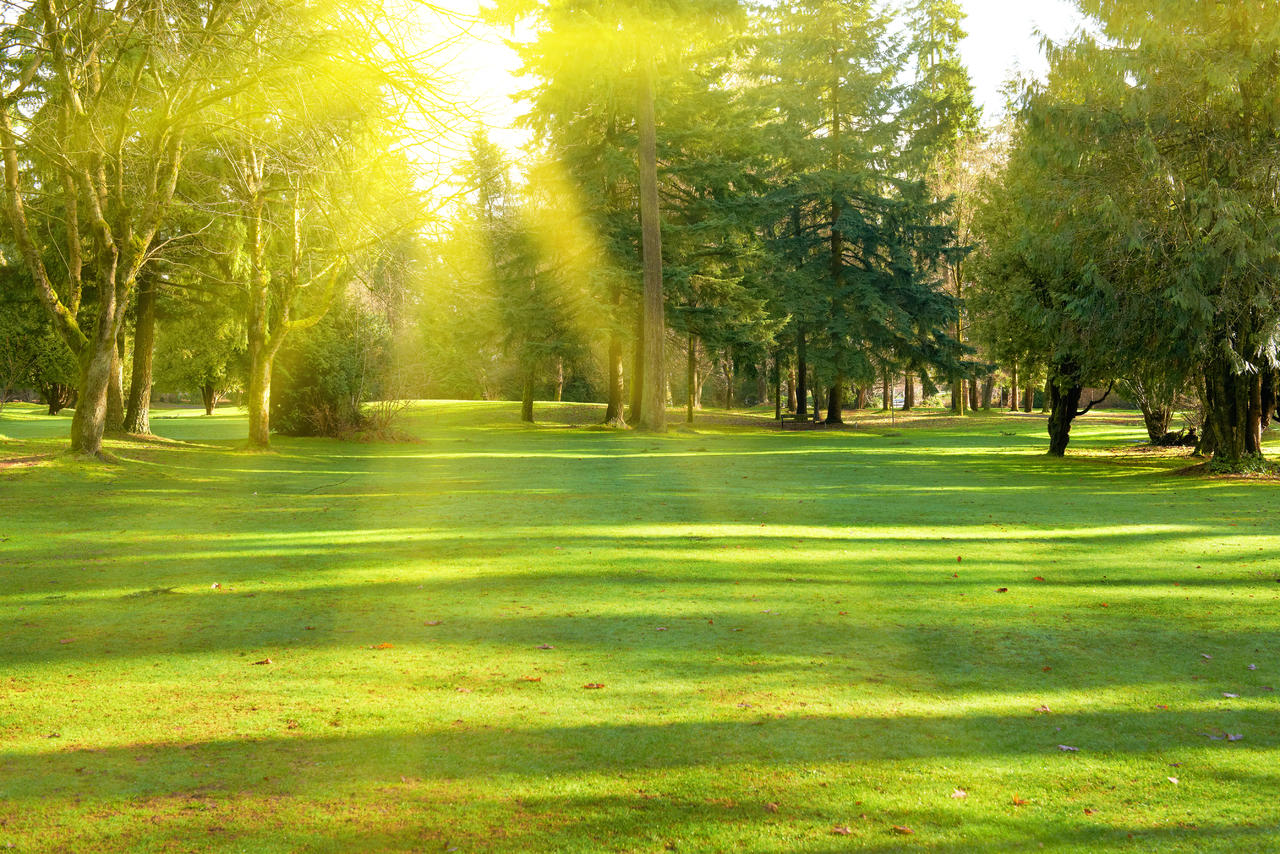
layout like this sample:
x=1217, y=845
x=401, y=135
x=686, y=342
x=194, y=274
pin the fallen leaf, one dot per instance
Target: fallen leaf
x=308, y=628
x=1020, y=802
x=841, y=830
x=1163, y=708
x=1044, y=710
x=770, y=807
x=844, y=613
x=660, y=629
x=546, y=646
x=382, y=646
x=530, y=678
x=67, y=640
x=1253, y=667
x=959, y=558
x=903, y=829
x=54, y=735
x=1002, y=589
x=1066, y=748
x=1173, y=780
x=1088, y=811
x=1206, y=656
x=1230, y=696
x=264, y=661
x=1104, y=604
x=959, y=793
x=1046, y=668
x=1039, y=578
x=591, y=686
x=215, y=586
x=1234, y=736
x=432, y=623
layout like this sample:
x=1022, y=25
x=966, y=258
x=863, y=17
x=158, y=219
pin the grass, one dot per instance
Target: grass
x=798, y=635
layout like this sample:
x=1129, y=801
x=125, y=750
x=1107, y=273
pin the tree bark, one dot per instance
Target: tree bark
x=793, y=405
x=137, y=418
x=1064, y=402
x=777, y=385
x=1013, y=387
x=1028, y=398
x=835, y=401
x=802, y=379
x=613, y=412
x=559, y=379
x=691, y=376
x=653, y=410
x=115, y=388
x=637, y=368
x=526, y=397
x=886, y=390
x=988, y=389
x=89, y=421
x=1229, y=401
x=973, y=395
x=259, y=398
x=908, y=392
x=727, y=368
x=208, y=396
x=863, y=399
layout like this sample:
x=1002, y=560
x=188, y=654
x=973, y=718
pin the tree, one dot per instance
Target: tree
x=94, y=124
x=601, y=68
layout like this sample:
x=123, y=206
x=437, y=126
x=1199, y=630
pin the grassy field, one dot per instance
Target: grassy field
x=880, y=639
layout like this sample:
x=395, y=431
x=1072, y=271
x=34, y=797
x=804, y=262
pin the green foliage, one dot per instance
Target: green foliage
x=324, y=377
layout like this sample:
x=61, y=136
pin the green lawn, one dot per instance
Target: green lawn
x=804, y=640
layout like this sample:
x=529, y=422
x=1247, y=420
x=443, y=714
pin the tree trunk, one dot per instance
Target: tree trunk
x=777, y=385
x=727, y=368
x=793, y=405
x=988, y=390
x=835, y=401
x=692, y=375
x=137, y=418
x=653, y=412
x=209, y=396
x=908, y=392
x=1229, y=401
x=57, y=396
x=637, y=368
x=802, y=379
x=762, y=384
x=886, y=391
x=259, y=398
x=559, y=379
x=89, y=421
x=1028, y=398
x=973, y=395
x=613, y=414
x=1156, y=419
x=863, y=400
x=1064, y=402
x=526, y=397
x=1013, y=388
x=115, y=388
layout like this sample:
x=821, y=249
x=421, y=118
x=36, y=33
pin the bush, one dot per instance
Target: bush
x=324, y=376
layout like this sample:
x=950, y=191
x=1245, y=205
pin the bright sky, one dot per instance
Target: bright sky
x=1002, y=39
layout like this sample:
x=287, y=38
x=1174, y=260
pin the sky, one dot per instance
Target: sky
x=1003, y=38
